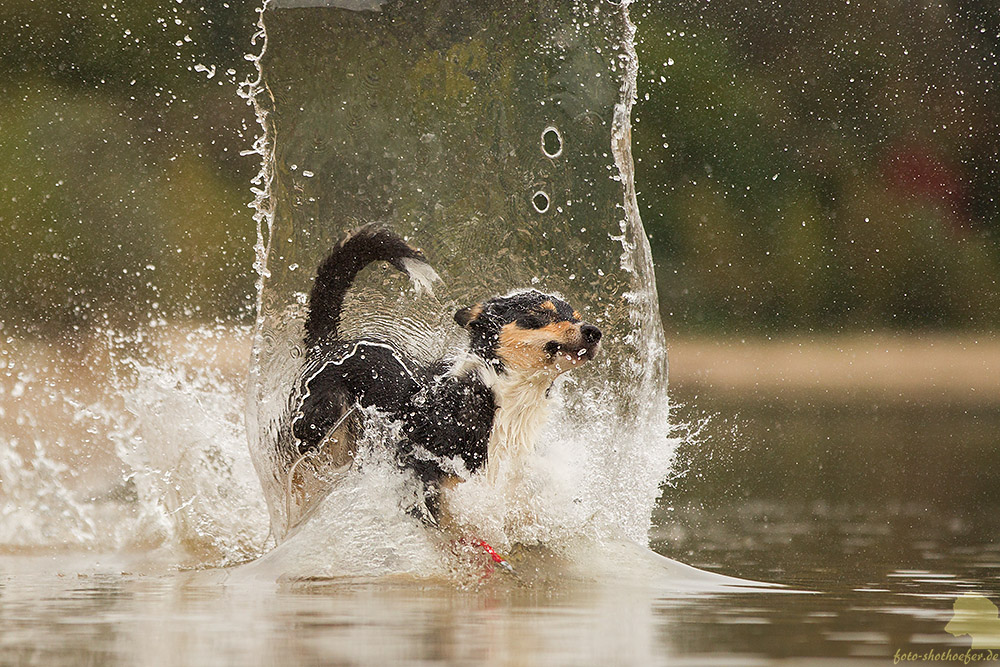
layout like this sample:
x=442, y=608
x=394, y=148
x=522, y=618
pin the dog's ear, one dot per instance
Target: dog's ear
x=467, y=316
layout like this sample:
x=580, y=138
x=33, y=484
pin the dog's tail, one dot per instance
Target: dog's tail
x=367, y=244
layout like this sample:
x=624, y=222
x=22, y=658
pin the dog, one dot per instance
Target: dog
x=484, y=406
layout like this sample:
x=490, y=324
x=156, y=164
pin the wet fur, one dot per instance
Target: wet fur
x=482, y=408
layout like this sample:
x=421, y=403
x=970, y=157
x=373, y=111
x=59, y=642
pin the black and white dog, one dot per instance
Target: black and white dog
x=485, y=406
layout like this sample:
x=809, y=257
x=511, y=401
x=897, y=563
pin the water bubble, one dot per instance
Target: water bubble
x=540, y=201
x=552, y=142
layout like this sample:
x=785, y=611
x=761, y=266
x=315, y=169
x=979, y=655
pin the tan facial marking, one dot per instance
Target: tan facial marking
x=548, y=305
x=525, y=348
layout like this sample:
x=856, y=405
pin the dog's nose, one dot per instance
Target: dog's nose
x=590, y=333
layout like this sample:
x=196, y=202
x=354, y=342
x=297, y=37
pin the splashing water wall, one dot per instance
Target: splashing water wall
x=495, y=136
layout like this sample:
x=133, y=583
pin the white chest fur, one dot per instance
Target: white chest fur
x=522, y=408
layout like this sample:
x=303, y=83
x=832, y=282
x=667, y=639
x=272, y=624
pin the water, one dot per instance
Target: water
x=495, y=136
x=884, y=567
x=136, y=529
x=130, y=442
x=802, y=495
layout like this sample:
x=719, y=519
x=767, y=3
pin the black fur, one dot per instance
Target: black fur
x=335, y=275
x=441, y=415
x=445, y=415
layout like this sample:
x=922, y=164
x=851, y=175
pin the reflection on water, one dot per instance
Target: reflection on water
x=190, y=619
x=884, y=578
x=883, y=572
x=63, y=611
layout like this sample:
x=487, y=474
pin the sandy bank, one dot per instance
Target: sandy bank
x=918, y=368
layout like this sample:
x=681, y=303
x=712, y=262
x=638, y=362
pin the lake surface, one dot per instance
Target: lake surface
x=875, y=514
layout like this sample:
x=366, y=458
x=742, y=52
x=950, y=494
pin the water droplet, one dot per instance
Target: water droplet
x=540, y=201
x=552, y=142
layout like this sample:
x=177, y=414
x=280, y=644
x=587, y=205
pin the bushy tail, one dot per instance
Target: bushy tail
x=367, y=244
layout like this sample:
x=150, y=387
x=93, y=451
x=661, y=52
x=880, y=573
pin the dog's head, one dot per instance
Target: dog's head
x=530, y=331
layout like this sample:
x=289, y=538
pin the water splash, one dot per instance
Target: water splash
x=132, y=442
x=502, y=148
x=496, y=137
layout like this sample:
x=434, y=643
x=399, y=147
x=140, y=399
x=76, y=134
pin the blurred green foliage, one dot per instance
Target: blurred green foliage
x=802, y=166
x=123, y=196
x=819, y=166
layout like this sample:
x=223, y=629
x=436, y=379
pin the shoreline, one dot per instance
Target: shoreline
x=952, y=368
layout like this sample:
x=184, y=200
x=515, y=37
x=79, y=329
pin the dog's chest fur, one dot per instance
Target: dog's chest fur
x=522, y=409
